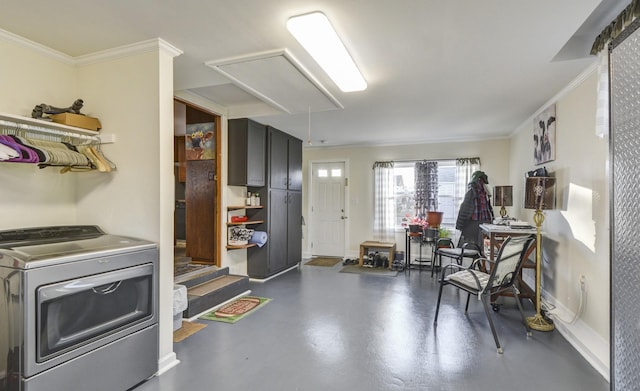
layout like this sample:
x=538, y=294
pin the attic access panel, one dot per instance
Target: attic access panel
x=279, y=80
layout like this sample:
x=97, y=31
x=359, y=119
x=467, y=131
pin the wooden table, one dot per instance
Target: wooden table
x=496, y=235
x=372, y=245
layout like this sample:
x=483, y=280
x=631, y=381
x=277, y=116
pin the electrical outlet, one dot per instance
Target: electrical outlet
x=583, y=283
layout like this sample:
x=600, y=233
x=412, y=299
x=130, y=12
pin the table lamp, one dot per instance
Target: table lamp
x=503, y=196
x=539, y=194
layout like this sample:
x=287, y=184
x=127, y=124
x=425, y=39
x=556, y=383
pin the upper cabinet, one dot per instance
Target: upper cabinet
x=247, y=153
x=285, y=164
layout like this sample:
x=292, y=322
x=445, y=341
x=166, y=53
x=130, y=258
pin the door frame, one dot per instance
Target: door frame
x=218, y=214
x=309, y=221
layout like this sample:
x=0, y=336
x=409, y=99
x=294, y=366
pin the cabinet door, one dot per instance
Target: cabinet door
x=277, y=230
x=278, y=159
x=295, y=164
x=256, y=153
x=246, y=153
x=294, y=228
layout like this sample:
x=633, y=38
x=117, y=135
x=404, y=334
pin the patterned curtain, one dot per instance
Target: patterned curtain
x=426, y=196
x=615, y=28
x=384, y=202
x=465, y=167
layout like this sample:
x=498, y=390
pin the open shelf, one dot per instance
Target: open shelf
x=19, y=123
x=248, y=222
x=238, y=207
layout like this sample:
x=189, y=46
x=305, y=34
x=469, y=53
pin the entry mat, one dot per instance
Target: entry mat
x=375, y=271
x=237, y=309
x=324, y=261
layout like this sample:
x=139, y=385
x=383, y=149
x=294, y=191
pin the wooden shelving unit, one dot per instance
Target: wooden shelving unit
x=248, y=222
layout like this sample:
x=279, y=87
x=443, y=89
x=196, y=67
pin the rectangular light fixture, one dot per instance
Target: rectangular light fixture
x=317, y=36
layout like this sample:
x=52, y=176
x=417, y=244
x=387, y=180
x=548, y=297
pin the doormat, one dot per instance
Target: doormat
x=237, y=309
x=376, y=271
x=324, y=261
x=187, y=330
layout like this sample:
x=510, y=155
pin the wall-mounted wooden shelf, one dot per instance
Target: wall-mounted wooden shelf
x=241, y=246
x=245, y=223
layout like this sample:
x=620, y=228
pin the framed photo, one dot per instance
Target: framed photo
x=200, y=143
x=544, y=136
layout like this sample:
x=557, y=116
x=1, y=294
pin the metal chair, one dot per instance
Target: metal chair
x=476, y=280
x=444, y=248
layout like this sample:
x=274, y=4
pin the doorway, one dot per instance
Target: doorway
x=328, y=210
x=197, y=169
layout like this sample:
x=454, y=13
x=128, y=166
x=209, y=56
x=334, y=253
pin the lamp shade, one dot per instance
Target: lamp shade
x=503, y=195
x=540, y=193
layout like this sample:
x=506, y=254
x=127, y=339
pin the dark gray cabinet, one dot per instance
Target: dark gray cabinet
x=246, y=153
x=286, y=228
x=285, y=162
x=282, y=199
x=294, y=227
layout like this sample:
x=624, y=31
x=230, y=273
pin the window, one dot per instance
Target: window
x=448, y=202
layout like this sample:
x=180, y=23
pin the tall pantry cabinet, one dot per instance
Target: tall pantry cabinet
x=281, y=195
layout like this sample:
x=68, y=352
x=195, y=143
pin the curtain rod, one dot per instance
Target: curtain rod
x=428, y=160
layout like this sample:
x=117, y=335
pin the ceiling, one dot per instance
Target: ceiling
x=436, y=70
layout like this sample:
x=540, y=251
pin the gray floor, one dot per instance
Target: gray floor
x=326, y=330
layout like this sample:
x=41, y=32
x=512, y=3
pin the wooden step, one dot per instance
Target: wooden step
x=213, y=285
x=213, y=292
x=200, y=276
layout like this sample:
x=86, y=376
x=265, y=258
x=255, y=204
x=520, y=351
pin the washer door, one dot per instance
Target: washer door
x=74, y=312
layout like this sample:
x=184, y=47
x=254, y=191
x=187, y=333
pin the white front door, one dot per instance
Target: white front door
x=327, y=209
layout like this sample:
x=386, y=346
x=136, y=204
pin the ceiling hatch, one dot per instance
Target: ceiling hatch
x=278, y=79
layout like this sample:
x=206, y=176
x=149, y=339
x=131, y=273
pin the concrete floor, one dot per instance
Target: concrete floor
x=325, y=330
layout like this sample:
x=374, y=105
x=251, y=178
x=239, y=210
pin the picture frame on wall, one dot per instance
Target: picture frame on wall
x=544, y=136
x=200, y=141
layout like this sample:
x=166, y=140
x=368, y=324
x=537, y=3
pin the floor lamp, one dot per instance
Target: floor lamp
x=539, y=195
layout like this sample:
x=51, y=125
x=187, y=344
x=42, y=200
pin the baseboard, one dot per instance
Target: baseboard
x=583, y=338
x=275, y=275
x=167, y=362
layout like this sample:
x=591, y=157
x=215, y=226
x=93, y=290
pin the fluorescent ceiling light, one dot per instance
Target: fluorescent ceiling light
x=317, y=36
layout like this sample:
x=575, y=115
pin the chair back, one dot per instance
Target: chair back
x=508, y=262
x=445, y=242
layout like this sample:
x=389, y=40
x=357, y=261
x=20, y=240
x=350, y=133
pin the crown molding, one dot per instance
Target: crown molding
x=128, y=50
x=92, y=58
x=39, y=48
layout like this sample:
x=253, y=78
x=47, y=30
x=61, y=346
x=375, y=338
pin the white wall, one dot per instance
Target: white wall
x=494, y=158
x=30, y=196
x=576, y=233
x=132, y=94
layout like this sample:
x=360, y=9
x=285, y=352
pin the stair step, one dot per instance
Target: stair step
x=200, y=276
x=213, y=292
x=212, y=285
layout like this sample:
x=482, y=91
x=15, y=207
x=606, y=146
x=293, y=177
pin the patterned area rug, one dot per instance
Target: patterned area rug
x=237, y=309
x=324, y=261
x=376, y=271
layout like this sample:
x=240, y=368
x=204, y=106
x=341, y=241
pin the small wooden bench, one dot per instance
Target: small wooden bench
x=372, y=245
